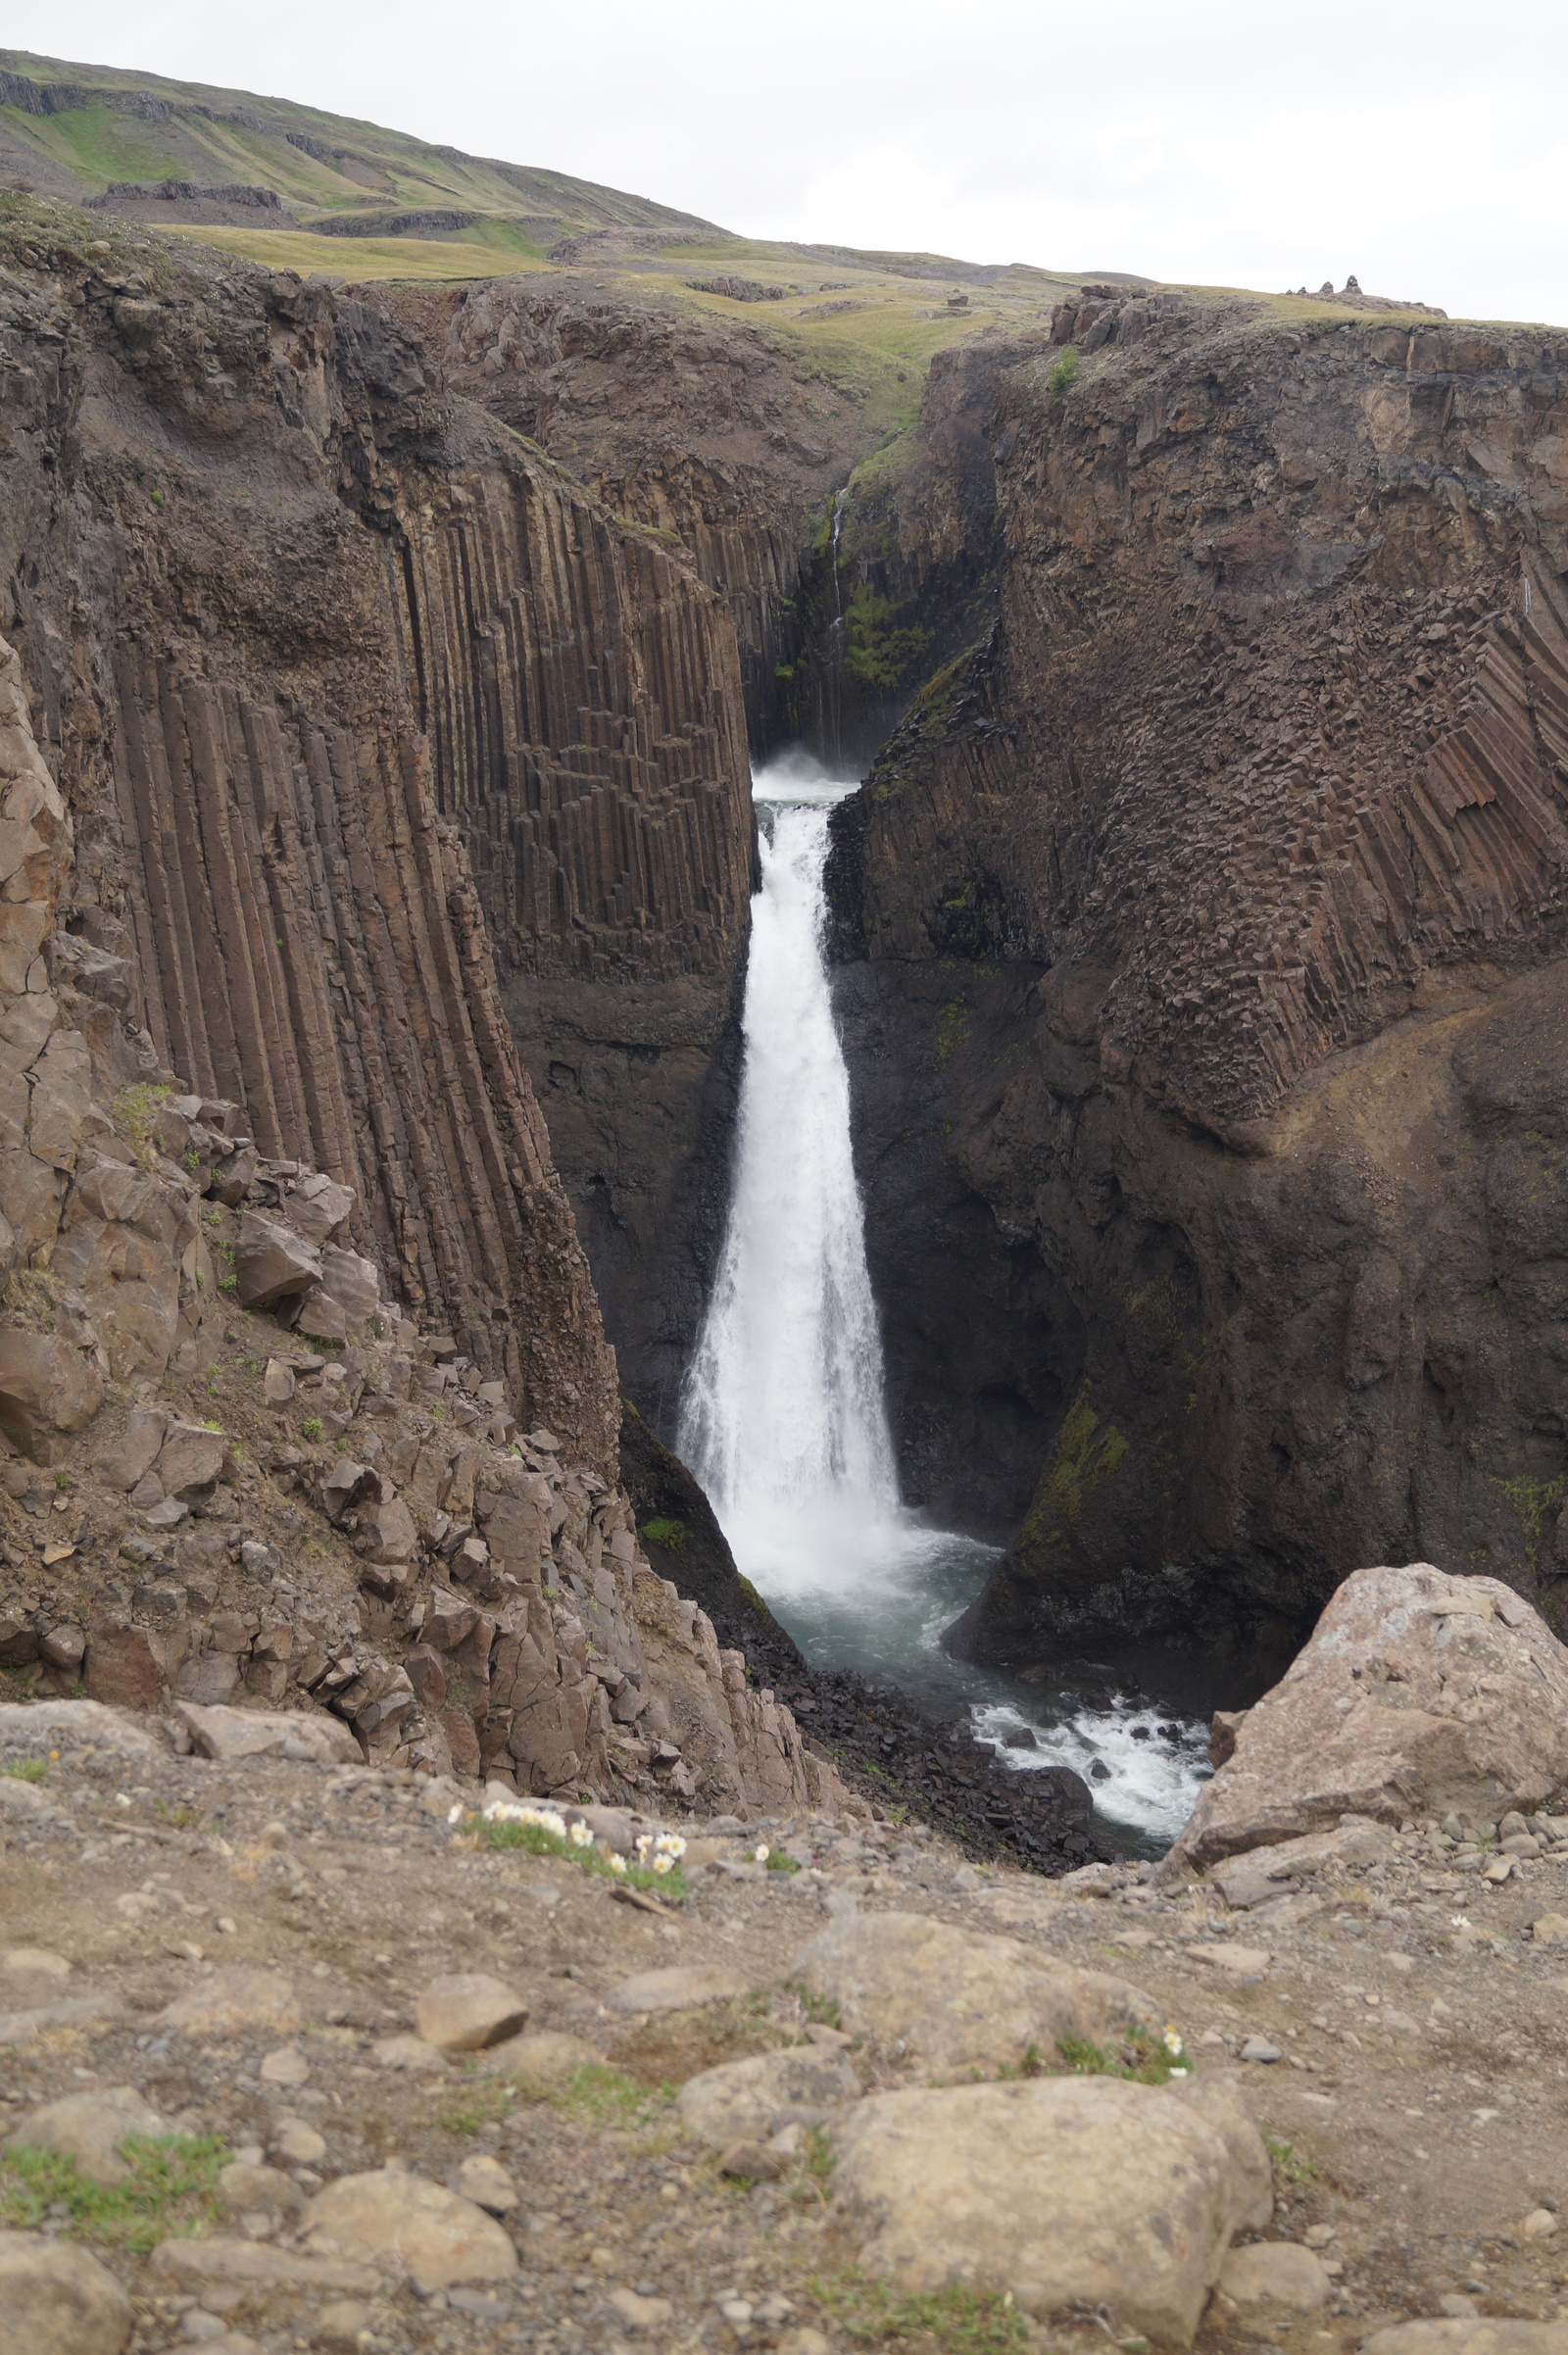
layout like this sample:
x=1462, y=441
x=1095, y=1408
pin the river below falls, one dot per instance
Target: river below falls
x=784, y=1419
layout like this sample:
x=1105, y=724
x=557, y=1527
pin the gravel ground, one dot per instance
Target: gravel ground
x=1416, y=2101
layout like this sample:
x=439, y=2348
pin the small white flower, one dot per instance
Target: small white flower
x=670, y=1844
x=580, y=1837
x=455, y=1814
x=120, y=1799
x=617, y=1864
x=1179, y=2072
x=645, y=1840
x=1172, y=2042
x=1460, y=1921
x=760, y=1854
x=664, y=1864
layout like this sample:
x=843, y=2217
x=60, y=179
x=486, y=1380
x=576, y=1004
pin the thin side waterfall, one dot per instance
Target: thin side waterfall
x=783, y=1419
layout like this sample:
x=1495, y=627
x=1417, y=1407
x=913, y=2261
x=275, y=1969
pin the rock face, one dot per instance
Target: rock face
x=243, y=827
x=351, y=1008
x=1203, y=988
x=1418, y=1693
x=1113, y=2194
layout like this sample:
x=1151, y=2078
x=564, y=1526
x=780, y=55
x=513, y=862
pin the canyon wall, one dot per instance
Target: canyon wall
x=1203, y=935
x=702, y=432
x=316, y=676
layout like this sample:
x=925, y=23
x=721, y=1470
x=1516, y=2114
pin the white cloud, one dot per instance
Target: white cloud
x=1223, y=143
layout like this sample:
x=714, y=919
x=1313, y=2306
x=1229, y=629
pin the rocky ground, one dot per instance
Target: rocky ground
x=248, y=1947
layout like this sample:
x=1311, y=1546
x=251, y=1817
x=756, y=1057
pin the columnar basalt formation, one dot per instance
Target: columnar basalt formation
x=694, y=426
x=290, y=632
x=1240, y=848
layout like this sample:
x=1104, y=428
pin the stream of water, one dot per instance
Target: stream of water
x=784, y=1419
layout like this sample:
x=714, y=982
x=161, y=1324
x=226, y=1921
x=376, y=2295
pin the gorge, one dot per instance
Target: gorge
x=1191, y=1026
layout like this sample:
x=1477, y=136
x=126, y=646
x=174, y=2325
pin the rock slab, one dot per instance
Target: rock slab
x=57, y=2300
x=431, y=2234
x=749, y=2100
x=961, y=2000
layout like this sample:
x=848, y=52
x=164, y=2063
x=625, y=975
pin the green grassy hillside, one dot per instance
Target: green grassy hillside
x=93, y=125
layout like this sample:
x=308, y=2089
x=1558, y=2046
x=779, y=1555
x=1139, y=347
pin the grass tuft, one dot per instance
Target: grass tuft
x=603, y=2099
x=1142, y=2058
x=170, y=2190
x=26, y=1769
x=1291, y=2164
x=962, y=2322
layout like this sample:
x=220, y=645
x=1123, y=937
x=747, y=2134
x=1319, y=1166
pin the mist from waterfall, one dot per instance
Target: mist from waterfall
x=783, y=1418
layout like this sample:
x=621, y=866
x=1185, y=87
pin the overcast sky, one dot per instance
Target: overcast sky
x=1227, y=142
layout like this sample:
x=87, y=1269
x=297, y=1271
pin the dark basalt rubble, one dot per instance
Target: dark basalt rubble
x=893, y=1755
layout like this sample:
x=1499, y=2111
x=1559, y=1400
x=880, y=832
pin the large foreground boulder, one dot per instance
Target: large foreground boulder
x=1417, y=1693
x=58, y=2300
x=957, y=2001
x=1065, y=2191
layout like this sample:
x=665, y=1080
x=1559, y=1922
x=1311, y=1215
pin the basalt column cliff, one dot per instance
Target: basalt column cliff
x=1203, y=938
x=286, y=635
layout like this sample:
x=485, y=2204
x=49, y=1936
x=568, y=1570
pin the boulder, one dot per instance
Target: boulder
x=1065, y=2191
x=961, y=2000
x=47, y=1388
x=128, y=1667
x=347, y=1298
x=468, y=2011
x=748, y=2100
x=132, y=1456
x=1416, y=1693
x=1217, y=2100
x=317, y=1208
x=486, y=2182
x=189, y=1460
x=89, y=2128
x=271, y=1262
x=1275, y=2272
x=264, y=2191
x=419, y=2228
x=299, y=1734
x=57, y=2300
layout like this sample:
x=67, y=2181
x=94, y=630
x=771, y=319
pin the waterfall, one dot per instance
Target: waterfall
x=783, y=1417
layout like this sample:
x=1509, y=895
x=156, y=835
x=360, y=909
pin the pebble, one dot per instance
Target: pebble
x=300, y=2144
x=287, y=2066
x=1258, y=2048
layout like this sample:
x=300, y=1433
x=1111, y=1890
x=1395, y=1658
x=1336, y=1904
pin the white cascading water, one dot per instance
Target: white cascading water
x=784, y=1420
x=783, y=1417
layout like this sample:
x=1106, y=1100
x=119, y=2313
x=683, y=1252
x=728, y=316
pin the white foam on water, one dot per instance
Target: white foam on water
x=784, y=1418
